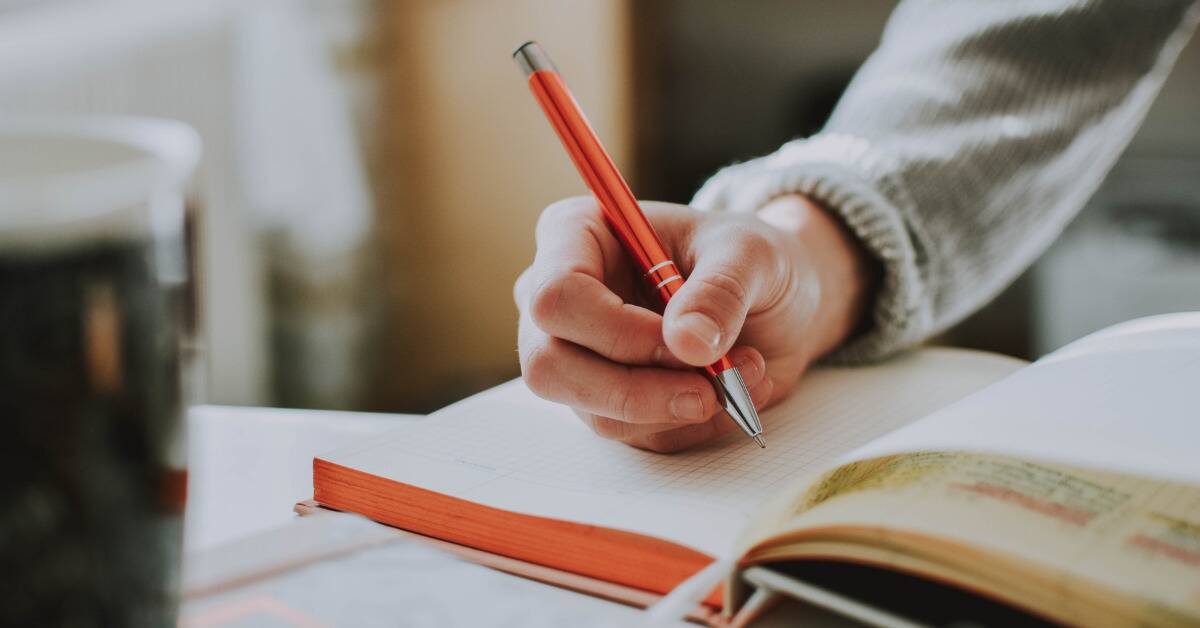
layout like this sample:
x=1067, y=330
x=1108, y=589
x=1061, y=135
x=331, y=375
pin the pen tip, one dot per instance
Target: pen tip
x=759, y=439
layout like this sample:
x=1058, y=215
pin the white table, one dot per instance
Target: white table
x=247, y=468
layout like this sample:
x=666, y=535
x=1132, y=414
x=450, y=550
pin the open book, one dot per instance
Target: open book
x=1069, y=489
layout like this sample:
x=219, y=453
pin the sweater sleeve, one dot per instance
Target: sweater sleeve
x=966, y=142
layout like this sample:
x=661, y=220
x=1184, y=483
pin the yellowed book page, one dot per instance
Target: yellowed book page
x=1092, y=530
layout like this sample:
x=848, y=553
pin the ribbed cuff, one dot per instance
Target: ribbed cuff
x=844, y=174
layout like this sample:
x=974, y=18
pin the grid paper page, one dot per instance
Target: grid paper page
x=506, y=448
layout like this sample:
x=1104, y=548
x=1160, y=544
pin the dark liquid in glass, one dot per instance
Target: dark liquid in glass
x=90, y=471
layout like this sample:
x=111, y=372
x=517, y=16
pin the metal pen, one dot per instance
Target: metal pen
x=624, y=216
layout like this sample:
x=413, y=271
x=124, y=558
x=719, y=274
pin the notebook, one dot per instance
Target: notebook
x=1067, y=489
x=335, y=569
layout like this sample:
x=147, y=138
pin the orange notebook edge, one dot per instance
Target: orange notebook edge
x=602, y=589
x=558, y=552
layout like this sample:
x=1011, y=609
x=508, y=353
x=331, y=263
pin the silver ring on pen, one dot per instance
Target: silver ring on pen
x=658, y=266
x=668, y=280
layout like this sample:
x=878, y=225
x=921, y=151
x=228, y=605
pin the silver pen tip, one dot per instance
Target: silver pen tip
x=758, y=439
x=735, y=397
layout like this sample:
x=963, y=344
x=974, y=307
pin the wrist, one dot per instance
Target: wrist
x=846, y=275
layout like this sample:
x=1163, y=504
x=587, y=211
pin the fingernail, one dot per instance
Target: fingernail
x=749, y=370
x=702, y=327
x=687, y=406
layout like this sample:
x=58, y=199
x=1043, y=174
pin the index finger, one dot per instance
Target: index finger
x=565, y=244
x=572, y=237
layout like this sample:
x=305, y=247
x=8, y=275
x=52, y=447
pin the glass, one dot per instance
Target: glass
x=93, y=274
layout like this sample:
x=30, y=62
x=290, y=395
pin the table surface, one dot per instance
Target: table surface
x=247, y=467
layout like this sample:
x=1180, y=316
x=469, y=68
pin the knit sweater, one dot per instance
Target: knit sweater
x=966, y=143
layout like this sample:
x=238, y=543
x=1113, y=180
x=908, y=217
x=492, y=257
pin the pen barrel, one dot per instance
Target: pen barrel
x=621, y=210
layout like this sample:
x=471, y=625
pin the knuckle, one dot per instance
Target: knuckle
x=726, y=284
x=538, y=368
x=622, y=344
x=544, y=303
x=565, y=210
x=521, y=288
x=722, y=291
x=622, y=401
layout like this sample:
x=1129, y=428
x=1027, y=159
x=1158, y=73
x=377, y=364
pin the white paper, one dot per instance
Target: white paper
x=508, y=449
x=1124, y=399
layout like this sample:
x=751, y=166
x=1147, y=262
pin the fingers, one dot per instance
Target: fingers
x=583, y=345
x=565, y=294
x=579, y=308
x=571, y=240
x=677, y=438
x=566, y=373
x=572, y=237
x=643, y=434
x=732, y=273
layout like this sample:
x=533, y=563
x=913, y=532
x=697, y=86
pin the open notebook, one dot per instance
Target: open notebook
x=509, y=474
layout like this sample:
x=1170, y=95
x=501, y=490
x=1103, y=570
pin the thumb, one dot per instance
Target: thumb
x=703, y=319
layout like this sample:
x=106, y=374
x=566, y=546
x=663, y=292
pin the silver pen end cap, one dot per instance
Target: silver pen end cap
x=532, y=58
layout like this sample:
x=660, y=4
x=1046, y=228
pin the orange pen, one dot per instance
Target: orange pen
x=624, y=216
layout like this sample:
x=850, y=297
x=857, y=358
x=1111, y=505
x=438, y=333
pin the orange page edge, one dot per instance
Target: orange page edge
x=623, y=558
x=621, y=594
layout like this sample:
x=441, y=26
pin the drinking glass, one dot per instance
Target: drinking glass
x=93, y=311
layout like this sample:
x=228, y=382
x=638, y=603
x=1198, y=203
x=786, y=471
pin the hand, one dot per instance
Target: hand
x=776, y=291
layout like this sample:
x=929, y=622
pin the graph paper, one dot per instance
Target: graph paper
x=508, y=449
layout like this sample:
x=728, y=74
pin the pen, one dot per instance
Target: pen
x=624, y=216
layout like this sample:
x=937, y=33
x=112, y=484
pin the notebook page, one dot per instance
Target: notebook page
x=508, y=449
x=1122, y=399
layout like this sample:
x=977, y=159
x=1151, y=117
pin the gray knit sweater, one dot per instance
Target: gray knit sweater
x=967, y=141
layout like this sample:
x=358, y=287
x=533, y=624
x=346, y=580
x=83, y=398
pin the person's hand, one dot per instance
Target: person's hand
x=776, y=291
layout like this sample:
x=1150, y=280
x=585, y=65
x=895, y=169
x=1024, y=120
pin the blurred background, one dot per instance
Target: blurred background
x=373, y=169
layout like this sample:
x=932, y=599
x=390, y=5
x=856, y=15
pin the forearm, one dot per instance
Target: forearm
x=966, y=142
